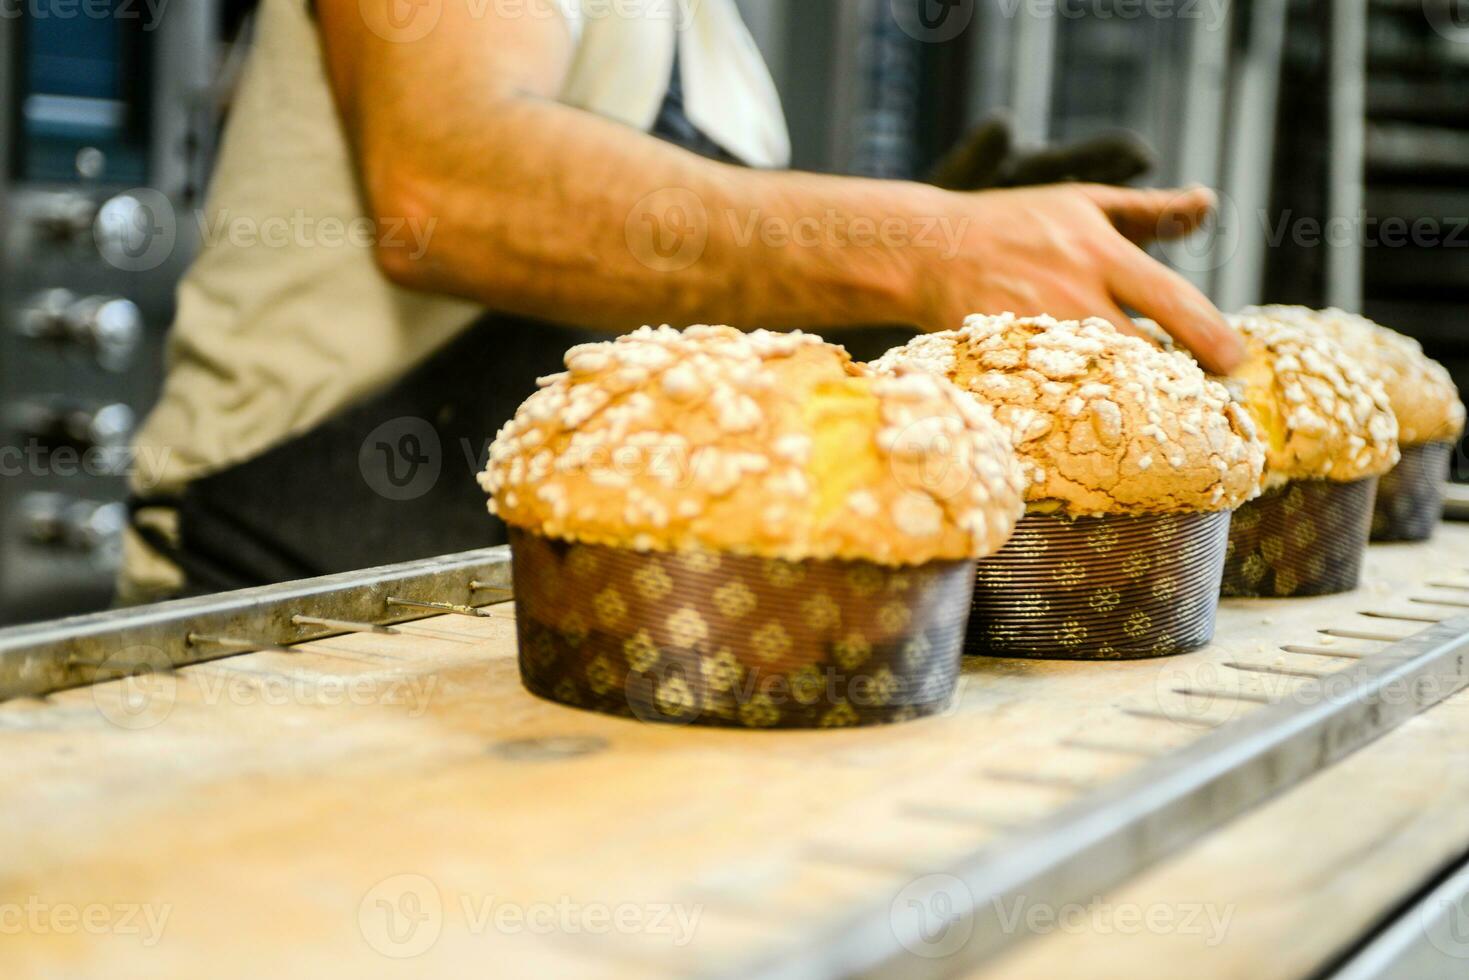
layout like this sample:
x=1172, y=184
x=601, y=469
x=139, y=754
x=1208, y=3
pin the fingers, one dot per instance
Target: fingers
x=1157, y=292
x=1146, y=215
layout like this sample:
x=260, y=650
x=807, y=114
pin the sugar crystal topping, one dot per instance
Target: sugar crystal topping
x=1423, y=396
x=1325, y=415
x=1103, y=423
x=763, y=443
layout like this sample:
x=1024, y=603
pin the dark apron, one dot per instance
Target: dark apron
x=391, y=478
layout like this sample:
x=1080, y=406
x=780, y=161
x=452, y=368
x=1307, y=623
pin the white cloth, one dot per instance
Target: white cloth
x=624, y=59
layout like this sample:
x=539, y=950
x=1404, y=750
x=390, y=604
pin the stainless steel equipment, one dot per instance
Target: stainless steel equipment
x=106, y=132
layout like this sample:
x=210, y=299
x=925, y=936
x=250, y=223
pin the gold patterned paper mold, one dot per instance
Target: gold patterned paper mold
x=1306, y=538
x=1135, y=459
x=1410, y=498
x=733, y=641
x=1331, y=433
x=1101, y=588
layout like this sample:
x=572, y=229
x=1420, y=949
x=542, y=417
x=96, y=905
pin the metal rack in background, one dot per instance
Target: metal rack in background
x=1210, y=88
x=104, y=159
x=1376, y=95
x=1417, y=170
x=1200, y=87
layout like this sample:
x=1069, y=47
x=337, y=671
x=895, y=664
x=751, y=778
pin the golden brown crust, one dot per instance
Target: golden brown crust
x=1423, y=396
x=773, y=445
x=1322, y=417
x=1104, y=423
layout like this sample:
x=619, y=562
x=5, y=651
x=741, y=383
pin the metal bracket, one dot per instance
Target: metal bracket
x=38, y=659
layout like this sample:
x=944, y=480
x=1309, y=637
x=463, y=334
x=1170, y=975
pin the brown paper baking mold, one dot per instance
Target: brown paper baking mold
x=1306, y=538
x=1410, y=498
x=720, y=640
x=1101, y=588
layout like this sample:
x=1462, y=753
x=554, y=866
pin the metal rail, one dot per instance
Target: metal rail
x=39, y=659
x=1118, y=830
x=1427, y=941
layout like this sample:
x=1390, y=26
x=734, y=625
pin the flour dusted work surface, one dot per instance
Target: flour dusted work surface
x=396, y=804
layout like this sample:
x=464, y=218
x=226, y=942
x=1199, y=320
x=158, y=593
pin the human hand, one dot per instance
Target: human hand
x=1073, y=251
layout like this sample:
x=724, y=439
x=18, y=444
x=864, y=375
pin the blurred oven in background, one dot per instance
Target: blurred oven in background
x=107, y=116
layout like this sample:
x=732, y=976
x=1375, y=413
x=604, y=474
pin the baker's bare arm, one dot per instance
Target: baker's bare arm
x=544, y=210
